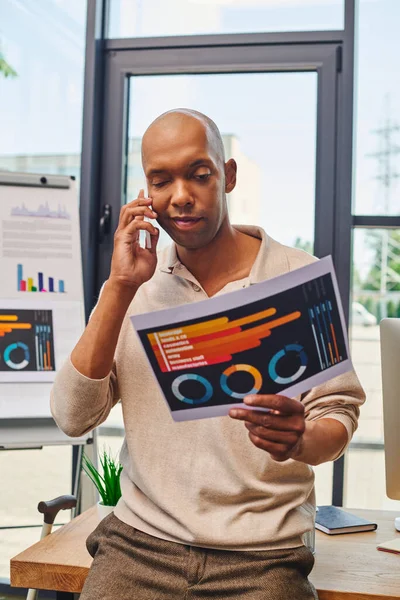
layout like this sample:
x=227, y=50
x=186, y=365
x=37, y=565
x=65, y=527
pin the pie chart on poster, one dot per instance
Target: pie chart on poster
x=9, y=354
x=208, y=389
x=255, y=373
x=284, y=353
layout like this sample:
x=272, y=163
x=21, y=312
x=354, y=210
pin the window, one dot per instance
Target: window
x=266, y=133
x=377, y=114
x=41, y=99
x=376, y=250
x=42, y=51
x=136, y=18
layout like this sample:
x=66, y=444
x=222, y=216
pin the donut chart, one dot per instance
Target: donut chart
x=281, y=354
x=8, y=360
x=192, y=377
x=235, y=368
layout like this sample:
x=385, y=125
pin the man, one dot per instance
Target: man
x=215, y=507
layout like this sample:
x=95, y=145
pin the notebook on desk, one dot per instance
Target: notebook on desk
x=333, y=520
x=391, y=546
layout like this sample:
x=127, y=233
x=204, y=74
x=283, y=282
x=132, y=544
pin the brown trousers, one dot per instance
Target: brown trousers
x=131, y=565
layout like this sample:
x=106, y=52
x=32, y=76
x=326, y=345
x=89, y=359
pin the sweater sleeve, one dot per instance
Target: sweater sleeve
x=79, y=404
x=340, y=399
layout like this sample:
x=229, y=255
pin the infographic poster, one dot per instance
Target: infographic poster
x=26, y=345
x=40, y=249
x=281, y=336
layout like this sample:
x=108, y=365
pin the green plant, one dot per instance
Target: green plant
x=5, y=69
x=107, y=482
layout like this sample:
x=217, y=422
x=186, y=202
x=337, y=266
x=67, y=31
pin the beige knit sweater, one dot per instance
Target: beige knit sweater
x=200, y=482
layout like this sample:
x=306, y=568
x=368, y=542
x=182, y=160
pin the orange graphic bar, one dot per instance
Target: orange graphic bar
x=334, y=341
x=286, y=319
x=251, y=318
x=214, y=323
x=16, y=326
x=8, y=318
x=234, y=348
x=48, y=355
x=215, y=336
x=235, y=324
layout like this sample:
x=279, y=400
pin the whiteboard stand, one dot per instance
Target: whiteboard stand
x=38, y=199
x=31, y=434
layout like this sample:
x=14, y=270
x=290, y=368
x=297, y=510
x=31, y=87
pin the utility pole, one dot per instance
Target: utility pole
x=387, y=176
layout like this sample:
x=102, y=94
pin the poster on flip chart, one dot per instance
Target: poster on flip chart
x=41, y=291
x=281, y=336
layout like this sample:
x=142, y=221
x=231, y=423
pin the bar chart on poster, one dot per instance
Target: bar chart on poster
x=41, y=292
x=28, y=284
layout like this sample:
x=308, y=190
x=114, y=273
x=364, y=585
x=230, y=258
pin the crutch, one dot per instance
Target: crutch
x=50, y=510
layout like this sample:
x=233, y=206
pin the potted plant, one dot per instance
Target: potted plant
x=107, y=482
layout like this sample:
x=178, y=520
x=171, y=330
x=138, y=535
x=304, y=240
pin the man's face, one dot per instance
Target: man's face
x=186, y=181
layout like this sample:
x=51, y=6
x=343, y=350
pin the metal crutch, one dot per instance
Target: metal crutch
x=50, y=510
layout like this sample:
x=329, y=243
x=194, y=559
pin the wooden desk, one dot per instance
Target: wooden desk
x=347, y=567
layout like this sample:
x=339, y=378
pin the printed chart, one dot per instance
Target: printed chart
x=43, y=210
x=285, y=342
x=29, y=284
x=40, y=243
x=26, y=343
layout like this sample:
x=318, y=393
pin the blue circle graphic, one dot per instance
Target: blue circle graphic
x=7, y=356
x=277, y=357
x=192, y=376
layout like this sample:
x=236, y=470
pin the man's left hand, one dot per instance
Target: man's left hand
x=278, y=431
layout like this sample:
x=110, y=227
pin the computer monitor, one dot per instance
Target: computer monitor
x=390, y=361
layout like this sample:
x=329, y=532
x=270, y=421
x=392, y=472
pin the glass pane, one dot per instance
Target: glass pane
x=375, y=294
x=365, y=485
x=267, y=133
x=323, y=483
x=138, y=18
x=42, y=52
x=30, y=476
x=43, y=48
x=377, y=122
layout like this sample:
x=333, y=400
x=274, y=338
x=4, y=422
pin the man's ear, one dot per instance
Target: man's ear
x=230, y=175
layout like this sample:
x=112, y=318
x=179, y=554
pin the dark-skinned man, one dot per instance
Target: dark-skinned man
x=215, y=507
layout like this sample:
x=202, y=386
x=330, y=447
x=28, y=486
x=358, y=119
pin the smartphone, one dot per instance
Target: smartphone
x=144, y=236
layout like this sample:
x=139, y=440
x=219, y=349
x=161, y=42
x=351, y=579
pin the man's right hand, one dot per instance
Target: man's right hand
x=132, y=265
